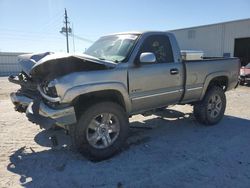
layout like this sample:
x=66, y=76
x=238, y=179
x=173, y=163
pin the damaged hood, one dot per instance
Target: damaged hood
x=27, y=61
x=56, y=64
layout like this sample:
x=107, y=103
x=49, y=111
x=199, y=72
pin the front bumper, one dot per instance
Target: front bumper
x=40, y=113
x=244, y=78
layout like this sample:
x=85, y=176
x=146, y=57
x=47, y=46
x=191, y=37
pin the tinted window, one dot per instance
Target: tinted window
x=160, y=46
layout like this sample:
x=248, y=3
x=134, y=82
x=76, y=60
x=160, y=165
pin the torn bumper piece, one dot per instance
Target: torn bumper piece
x=20, y=100
x=40, y=113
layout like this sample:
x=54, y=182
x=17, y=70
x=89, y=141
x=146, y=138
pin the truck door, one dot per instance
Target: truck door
x=158, y=84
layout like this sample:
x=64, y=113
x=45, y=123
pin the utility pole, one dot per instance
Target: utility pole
x=67, y=33
x=66, y=29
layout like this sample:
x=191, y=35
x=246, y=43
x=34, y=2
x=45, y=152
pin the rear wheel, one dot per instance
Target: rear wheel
x=211, y=109
x=101, y=130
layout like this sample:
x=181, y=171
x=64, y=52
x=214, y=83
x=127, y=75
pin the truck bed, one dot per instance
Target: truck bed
x=196, y=69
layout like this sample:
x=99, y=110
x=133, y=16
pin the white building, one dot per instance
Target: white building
x=226, y=39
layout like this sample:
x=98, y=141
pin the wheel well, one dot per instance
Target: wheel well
x=83, y=101
x=221, y=81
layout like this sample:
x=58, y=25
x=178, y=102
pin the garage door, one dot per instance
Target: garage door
x=242, y=50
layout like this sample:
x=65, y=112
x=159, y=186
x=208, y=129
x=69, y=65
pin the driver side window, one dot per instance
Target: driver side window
x=160, y=46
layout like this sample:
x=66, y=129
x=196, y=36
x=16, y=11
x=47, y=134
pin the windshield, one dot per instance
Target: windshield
x=113, y=48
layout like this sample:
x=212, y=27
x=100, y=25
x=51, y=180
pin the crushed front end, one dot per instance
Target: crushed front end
x=41, y=109
x=38, y=100
x=39, y=96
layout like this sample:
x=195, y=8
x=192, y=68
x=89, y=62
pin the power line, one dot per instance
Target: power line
x=21, y=31
x=30, y=36
x=82, y=38
x=39, y=35
x=52, y=23
x=73, y=38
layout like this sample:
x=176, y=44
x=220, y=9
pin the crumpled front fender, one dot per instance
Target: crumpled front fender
x=74, y=92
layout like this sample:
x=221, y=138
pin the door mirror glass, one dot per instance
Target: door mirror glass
x=147, y=57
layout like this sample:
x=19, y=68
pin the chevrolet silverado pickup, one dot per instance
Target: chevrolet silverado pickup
x=92, y=95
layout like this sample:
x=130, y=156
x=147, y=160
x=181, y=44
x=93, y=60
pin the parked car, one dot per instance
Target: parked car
x=245, y=75
x=93, y=95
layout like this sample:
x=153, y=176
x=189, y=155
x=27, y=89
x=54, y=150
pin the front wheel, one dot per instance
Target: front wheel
x=211, y=109
x=101, y=130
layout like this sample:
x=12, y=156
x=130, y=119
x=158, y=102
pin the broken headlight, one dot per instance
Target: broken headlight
x=49, y=88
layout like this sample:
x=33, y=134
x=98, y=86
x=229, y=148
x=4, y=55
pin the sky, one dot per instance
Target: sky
x=34, y=25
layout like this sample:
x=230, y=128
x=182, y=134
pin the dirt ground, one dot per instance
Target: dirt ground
x=167, y=149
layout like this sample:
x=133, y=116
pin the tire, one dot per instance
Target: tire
x=211, y=109
x=101, y=131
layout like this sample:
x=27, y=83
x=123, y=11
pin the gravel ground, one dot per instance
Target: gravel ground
x=167, y=149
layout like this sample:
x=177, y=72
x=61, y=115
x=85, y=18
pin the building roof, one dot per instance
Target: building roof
x=135, y=33
x=12, y=53
x=195, y=27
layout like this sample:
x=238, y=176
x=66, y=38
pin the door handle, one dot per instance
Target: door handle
x=174, y=71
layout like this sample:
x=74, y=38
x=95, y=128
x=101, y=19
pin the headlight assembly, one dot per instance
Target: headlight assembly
x=49, y=88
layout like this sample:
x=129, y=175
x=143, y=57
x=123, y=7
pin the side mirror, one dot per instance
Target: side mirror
x=147, y=57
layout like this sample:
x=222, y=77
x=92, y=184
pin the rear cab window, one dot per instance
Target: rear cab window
x=160, y=46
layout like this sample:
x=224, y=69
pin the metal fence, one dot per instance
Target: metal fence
x=9, y=64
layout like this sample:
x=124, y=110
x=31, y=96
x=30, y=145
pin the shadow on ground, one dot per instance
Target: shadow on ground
x=169, y=149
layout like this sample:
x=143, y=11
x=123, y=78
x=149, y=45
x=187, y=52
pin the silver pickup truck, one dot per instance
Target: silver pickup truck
x=92, y=95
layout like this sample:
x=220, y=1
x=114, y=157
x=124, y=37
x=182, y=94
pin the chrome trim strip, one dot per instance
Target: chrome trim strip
x=195, y=88
x=45, y=111
x=20, y=99
x=157, y=94
x=51, y=99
